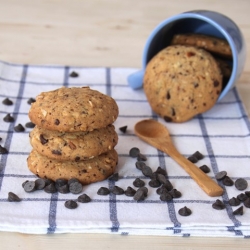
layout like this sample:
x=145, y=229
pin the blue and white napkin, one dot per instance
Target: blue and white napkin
x=222, y=135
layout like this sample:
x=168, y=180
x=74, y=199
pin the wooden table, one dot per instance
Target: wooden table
x=102, y=33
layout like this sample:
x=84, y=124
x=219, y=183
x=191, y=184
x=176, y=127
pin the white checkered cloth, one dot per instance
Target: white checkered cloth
x=221, y=135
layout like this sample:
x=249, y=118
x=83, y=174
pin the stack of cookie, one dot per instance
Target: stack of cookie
x=186, y=78
x=74, y=136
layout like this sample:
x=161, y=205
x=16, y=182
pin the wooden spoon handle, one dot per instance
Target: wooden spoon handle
x=205, y=182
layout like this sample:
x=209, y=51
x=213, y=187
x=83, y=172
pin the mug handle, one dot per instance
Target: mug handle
x=135, y=80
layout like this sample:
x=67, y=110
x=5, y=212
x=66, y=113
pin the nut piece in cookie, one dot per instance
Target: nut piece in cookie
x=181, y=82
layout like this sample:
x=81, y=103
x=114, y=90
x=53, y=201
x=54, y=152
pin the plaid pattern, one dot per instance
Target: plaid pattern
x=221, y=135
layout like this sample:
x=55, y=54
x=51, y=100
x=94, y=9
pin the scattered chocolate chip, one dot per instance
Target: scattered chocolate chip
x=141, y=157
x=185, y=211
x=61, y=182
x=73, y=74
x=161, y=190
x=123, y=129
x=129, y=192
x=117, y=190
x=75, y=187
x=63, y=189
x=205, y=169
x=192, y=158
x=238, y=211
x=140, y=194
x=162, y=178
x=19, y=128
x=13, y=197
x=31, y=100
x=241, y=184
x=247, y=193
x=29, y=186
x=140, y=164
x=247, y=203
x=71, y=180
x=30, y=125
x=9, y=118
x=147, y=171
x=42, y=139
x=103, y=191
x=175, y=193
x=145, y=190
x=70, y=204
x=3, y=150
x=154, y=183
x=134, y=152
x=198, y=155
x=221, y=175
x=56, y=152
x=138, y=182
x=162, y=171
x=234, y=202
x=242, y=197
x=227, y=181
x=218, y=205
x=167, y=119
x=39, y=184
x=24, y=183
x=48, y=181
x=50, y=189
x=84, y=198
x=114, y=177
x=165, y=196
x=57, y=122
x=7, y=102
x=168, y=185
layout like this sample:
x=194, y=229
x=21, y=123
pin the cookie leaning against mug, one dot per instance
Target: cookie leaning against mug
x=89, y=171
x=73, y=109
x=181, y=82
x=210, y=43
x=75, y=146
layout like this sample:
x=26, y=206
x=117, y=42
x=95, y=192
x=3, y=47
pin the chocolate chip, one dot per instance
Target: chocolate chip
x=162, y=179
x=77, y=158
x=221, y=175
x=196, y=85
x=168, y=185
x=31, y=100
x=154, y=183
x=56, y=122
x=70, y=204
x=50, y=189
x=161, y=190
x=234, y=202
x=216, y=83
x=84, y=198
x=167, y=119
x=141, y=157
x=7, y=102
x=13, y=197
x=185, y=211
x=56, y=152
x=103, y=191
x=227, y=181
x=140, y=194
x=3, y=150
x=9, y=118
x=165, y=196
x=247, y=203
x=60, y=182
x=168, y=96
x=19, y=128
x=42, y=139
x=172, y=111
x=190, y=53
x=241, y=184
x=218, y=205
x=75, y=187
x=29, y=186
x=198, y=155
x=247, y=193
x=175, y=193
x=40, y=184
x=134, y=152
x=147, y=171
x=138, y=182
x=117, y=190
x=73, y=74
x=71, y=180
x=114, y=177
x=192, y=158
x=140, y=164
x=64, y=189
x=30, y=125
x=238, y=211
x=129, y=192
x=242, y=197
x=162, y=171
x=123, y=129
x=205, y=169
x=48, y=181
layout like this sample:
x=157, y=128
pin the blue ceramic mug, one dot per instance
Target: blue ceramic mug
x=198, y=21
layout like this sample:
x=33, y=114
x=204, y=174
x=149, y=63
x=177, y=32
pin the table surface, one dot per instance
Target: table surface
x=103, y=33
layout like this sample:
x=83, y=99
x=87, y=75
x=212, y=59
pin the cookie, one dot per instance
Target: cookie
x=76, y=146
x=210, y=43
x=181, y=82
x=73, y=109
x=225, y=67
x=89, y=171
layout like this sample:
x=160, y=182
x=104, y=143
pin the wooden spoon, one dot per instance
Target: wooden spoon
x=158, y=136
